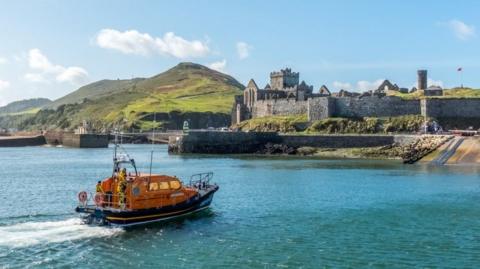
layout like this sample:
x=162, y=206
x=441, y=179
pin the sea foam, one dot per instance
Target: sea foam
x=33, y=233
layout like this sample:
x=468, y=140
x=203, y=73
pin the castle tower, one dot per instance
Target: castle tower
x=421, y=79
x=284, y=79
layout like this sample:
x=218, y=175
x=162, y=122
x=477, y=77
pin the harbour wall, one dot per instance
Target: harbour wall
x=216, y=142
x=77, y=140
x=22, y=141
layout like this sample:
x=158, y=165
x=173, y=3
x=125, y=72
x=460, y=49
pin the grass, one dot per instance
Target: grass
x=462, y=93
x=201, y=95
x=28, y=111
x=401, y=124
x=282, y=124
x=447, y=93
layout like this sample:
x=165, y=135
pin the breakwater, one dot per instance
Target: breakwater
x=217, y=142
x=77, y=140
x=22, y=141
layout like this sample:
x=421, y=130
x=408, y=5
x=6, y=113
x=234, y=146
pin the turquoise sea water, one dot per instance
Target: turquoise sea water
x=268, y=213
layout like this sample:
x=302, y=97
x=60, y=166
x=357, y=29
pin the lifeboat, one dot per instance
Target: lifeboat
x=129, y=197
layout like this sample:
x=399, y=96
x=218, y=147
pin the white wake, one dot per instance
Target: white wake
x=33, y=233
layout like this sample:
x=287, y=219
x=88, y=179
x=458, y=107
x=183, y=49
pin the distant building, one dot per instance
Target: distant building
x=85, y=128
x=324, y=91
x=433, y=91
x=422, y=79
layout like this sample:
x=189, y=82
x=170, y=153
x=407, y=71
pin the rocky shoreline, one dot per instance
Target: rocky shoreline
x=408, y=153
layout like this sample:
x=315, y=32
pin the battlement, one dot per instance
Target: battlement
x=284, y=72
x=285, y=78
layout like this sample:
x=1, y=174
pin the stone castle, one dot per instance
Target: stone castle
x=286, y=95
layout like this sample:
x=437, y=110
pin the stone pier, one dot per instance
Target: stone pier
x=216, y=142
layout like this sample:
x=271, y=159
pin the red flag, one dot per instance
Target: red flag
x=459, y=69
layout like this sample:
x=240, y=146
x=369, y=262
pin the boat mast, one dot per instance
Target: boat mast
x=153, y=141
x=115, y=143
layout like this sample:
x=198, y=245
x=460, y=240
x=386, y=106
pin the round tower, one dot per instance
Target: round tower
x=421, y=79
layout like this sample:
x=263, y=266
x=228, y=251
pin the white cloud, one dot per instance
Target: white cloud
x=243, y=50
x=430, y=82
x=219, y=66
x=360, y=86
x=3, y=60
x=4, y=84
x=342, y=85
x=364, y=85
x=33, y=77
x=49, y=71
x=134, y=42
x=461, y=30
x=73, y=74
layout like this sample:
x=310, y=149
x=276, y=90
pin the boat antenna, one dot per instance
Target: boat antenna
x=153, y=141
x=115, y=145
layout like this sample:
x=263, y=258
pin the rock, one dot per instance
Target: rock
x=306, y=151
x=271, y=148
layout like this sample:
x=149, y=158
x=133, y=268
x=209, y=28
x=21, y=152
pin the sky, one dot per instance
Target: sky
x=50, y=48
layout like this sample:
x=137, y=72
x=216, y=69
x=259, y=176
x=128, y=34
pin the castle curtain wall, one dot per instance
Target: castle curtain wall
x=373, y=106
x=451, y=108
x=264, y=108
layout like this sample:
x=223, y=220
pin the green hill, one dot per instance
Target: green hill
x=24, y=106
x=95, y=90
x=187, y=91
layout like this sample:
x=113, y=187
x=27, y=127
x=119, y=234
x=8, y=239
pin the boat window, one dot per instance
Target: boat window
x=153, y=186
x=174, y=184
x=164, y=185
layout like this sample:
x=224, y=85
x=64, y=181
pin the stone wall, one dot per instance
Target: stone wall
x=317, y=108
x=215, y=142
x=16, y=141
x=85, y=140
x=451, y=108
x=374, y=106
x=76, y=140
x=320, y=108
x=288, y=106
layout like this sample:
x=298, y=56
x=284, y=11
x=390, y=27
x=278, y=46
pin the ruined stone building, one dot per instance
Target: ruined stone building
x=285, y=95
x=284, y=85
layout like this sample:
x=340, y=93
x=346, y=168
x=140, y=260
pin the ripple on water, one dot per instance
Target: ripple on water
x=268, y=213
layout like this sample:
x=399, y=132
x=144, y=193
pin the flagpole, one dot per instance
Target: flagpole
x=460, y=70
x=461, y=78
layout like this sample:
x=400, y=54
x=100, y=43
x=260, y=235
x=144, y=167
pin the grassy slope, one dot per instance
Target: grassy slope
x=28, y=106
x=186, y=87
x=95, y=90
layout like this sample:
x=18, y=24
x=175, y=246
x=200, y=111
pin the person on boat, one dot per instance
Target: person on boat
x=123, y=174
x=99, y=187
x=121, y=187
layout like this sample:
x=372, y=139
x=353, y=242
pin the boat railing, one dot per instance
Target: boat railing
x=201, y=180
x=107, y=200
